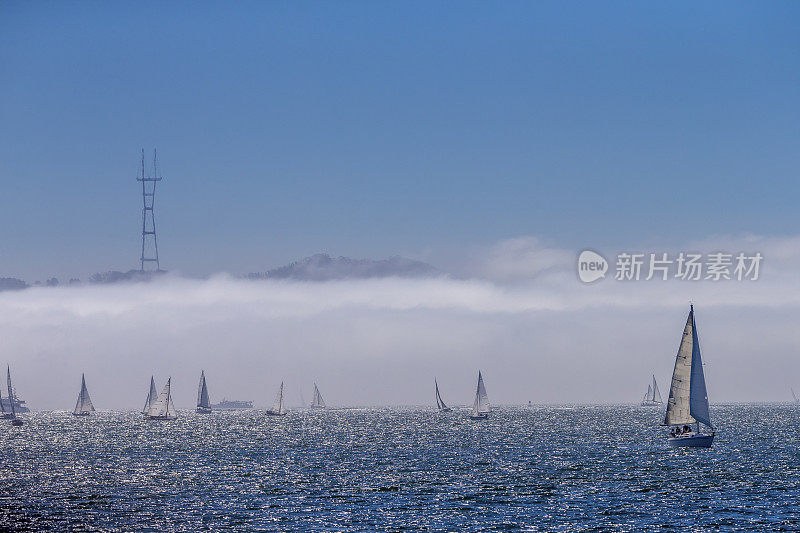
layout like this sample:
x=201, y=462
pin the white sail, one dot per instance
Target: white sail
x=163, y=406
x=439, y=402
x=84, y=404
x=794, y=395
x=481, y=404
x=202, y=393
x=151, y=396
x=648, y=396
x=656, y=392
x=688, y=400
x=317, y=401
x=277, y=406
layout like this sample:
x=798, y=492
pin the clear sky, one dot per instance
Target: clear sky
x=373, y=128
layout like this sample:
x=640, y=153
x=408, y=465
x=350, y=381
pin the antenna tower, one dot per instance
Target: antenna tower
x=149, y=239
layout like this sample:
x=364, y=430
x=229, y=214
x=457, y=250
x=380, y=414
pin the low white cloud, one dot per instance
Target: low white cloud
x=545, y=337
x=514, y=260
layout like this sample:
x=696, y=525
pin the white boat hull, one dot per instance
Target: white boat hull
x=695, y=440
x=203, y=410
x=481, y=416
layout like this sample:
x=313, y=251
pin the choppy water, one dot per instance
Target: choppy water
x=537, y=469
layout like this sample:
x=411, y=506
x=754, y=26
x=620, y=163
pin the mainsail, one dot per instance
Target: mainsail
x=688, y=400
x=84, y=404
x=652, y=396
x=481, y=405
x=317, y=401
x=439, y=402
x=202, y=393
x=277, y=407
x=656, y=392
x=163, y=406
x=151, y=396
x=10, y=392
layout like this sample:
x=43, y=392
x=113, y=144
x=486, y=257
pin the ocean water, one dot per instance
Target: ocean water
x=578, y=468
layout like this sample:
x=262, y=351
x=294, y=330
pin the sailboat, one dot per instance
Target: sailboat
x=794, y=396
x=151, y=396
x=163, y=408
x=14, y=420
x=83, y=407
x=203, y=403
x=480, y=408
x=688, y=399
x=317, y=402
x=277, y=408
x=5, y=415
x=439, y=402
x=652, y=397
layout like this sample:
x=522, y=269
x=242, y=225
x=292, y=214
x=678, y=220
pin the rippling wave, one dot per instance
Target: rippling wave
x=575, y=468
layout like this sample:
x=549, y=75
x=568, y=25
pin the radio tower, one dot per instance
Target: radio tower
x=149, y=239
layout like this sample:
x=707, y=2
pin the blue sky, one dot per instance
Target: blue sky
x=371, y=128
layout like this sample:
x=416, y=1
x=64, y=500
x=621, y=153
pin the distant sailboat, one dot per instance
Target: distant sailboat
x=203, y=403
x=84, y=406
x=439, y=402
x=794, y=396
x=163, y=408
x=14, y=420
x=277, y=408
x=688, y=399
x=317, y=402
x=5, y=415
x=652, y=397
x=481, y=407
x=151, y=396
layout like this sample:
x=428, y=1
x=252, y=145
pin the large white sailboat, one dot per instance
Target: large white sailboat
x=163, y=408
x=652, y=397
x=317, y=402
x=439, y=402
x=688, y=399
x=278, y=408
x=203, y=403
x=14, y=420
x=83, y=407
x=151, y=396
x=480, y=407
